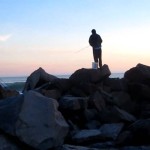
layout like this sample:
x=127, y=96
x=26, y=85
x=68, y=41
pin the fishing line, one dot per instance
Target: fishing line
x=82, y=49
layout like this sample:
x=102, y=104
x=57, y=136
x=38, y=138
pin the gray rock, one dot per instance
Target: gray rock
x=9, y=112
x=83, y=136
x=89, y=75
x=38, y=78
x=40, y=124
x=111, y=131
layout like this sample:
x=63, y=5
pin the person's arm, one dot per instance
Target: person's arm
x=90, y=40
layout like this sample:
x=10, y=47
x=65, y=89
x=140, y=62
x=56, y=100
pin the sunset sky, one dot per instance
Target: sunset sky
x=53, y=34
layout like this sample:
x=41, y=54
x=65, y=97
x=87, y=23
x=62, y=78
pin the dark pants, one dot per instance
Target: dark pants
x=97, y=54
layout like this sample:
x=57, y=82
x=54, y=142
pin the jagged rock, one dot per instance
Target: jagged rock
x=86, y=136
x=89, y=75
x=138, y=74
x=9, y=112
x=5, y=93
x=34, y=119
x=97, y=101
x=39, y=123
x=106, y=132
x=38, y=78
x=73, y=103
x=111, y=131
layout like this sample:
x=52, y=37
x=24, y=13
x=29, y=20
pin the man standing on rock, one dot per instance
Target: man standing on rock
x=95, y=41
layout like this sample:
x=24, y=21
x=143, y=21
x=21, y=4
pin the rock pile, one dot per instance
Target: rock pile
x=88, y=111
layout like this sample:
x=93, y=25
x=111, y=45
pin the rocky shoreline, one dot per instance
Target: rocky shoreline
x=88, y=111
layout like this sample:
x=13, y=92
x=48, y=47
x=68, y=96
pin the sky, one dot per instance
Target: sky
x=54, y=34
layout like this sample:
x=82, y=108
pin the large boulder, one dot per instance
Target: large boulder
x=37, y=79
x=89, y=75
x=86, y=136
x=139, y=74
x=111, y=131
x=9, y=112
x=34, y=120
x=39, y=123
x=105, y=132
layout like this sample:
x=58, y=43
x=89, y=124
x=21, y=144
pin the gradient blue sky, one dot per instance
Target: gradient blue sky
x=48, y=33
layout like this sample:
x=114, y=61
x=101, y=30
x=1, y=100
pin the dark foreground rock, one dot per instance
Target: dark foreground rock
x=88, y=111
x=34, y=119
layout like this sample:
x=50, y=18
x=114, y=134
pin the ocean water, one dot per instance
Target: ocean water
x=17, y=83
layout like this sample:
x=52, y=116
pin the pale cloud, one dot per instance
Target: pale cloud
x=4, y=38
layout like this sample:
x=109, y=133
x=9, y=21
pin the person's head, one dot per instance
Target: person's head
x=93, y=31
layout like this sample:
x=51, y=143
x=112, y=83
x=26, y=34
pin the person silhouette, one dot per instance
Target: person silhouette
x=95, y=41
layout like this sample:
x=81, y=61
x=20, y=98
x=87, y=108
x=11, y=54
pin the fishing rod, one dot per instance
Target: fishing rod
x=82, y=49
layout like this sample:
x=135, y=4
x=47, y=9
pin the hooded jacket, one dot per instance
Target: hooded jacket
x=95, y=40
